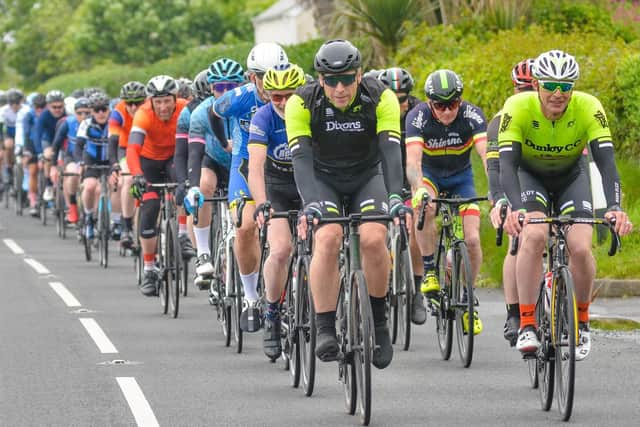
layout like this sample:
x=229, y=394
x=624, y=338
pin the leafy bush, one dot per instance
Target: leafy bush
x=627, y=104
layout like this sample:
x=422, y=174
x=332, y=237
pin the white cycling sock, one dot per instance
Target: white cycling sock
x=250, y=285
x=202, y=239
x=115, y=217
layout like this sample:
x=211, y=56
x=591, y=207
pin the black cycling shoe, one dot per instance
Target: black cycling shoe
x=187, y=249
x=250, y=317
x=418, y=310
x=116, y=231
x=149, y=286
x=383, y=355
x=511, y=327
x=271, y=338
x=327, y=348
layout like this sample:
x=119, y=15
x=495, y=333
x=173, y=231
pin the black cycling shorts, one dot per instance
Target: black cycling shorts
x=569, y=194
x=282, y=193
x=90, y=161
x=221, y=173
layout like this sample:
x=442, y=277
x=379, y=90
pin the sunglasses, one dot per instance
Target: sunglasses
x=275, y=97
x=552, y=86
x=403, y=98
x=441, y=106
x=100, y=109
x=345, y=79
x=134, y=102
x=223, y=87
x=83, y=113
x=56, y=107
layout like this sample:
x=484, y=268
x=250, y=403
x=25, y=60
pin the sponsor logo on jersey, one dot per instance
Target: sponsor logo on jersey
x=471, y=113
x=506, y=121
x=435, y=143
x=355, y=126
x=282, y=153
x=571, y=123
x=586, y=205
x=245, y=124
x=329, y=112
x=552, y=148
x=535, y=124
x=256, y=130
x=418, y=120
x=601, y=118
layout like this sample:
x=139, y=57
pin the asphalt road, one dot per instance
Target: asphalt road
x=178, y=372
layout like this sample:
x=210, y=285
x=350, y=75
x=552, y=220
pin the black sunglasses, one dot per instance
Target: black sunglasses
x=345, y=79
x=136, y=102
x=101, y=109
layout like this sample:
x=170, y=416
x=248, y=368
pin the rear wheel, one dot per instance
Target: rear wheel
x=565, y=339
x=464, y=303
x=290, y=347
x=403, y=290
x=103, y=231
x=60, y=224
x=346, y=366
x=85, y=241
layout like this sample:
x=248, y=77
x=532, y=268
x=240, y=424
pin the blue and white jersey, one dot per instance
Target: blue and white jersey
x=72, y=131
x=93, y=138
x=200, y=131
x=239, y=104
x=268, y=129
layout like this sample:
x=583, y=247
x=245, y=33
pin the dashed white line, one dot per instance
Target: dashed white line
x=98, y=335
x=39, y=268
x=137, y=402
x=64, y=293
x=11, y=244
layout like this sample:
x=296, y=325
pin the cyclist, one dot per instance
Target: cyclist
x=45, y=129
x=184, y=88
x=522, y=82
x=92, y=149
x=8, y=116
x=271, y=179
x=401, y=83
x=209, y=163
x=150, y=159
x=240, y=105
x=132, y=96
x=344, y=137
x=65, y=138
x=25, y=136
x=440, y=135
x=541, y=138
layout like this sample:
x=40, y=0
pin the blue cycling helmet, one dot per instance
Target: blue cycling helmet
x=225, y=70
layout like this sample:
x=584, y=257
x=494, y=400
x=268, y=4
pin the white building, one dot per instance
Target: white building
x=286, y=22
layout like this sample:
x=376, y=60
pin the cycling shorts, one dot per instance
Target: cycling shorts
x=93, y=173
x=158, y=171
x=282, y=193
x=221, y=172
x=458, y=185
x=10, y=132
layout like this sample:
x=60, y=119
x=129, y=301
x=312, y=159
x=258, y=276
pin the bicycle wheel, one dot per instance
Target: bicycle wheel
x=565, y=311
x=162, y=261
x=361, y=334
x=290, y=347
x=444, y=313
x=185, y=278
x=545, y=364
x=85, y=241
x=532, y=362
x=403, y=290
x=59, y=209
x=18, y=177
x=236, y=300
x=346, y=366
x=222, y=303
x=307, y=327
x=103, y=231
x=461, y=282
x=173, y=260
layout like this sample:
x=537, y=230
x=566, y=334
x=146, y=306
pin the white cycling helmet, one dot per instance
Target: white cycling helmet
x=70, y=105
x=162, y=85
x=264, y=56
x=556, y=65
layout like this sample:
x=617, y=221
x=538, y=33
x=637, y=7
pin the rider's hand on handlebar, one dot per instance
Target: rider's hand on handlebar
x=623, y=224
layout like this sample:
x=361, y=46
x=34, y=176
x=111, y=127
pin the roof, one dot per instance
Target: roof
x=282, y=8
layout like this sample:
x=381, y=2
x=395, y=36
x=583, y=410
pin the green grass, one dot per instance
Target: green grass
x=623, y=265
x=614, y=324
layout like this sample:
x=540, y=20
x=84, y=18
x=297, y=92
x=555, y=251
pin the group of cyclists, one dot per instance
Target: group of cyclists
x=340, y=143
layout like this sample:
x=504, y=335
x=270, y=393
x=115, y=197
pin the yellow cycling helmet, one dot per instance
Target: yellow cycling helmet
x=285, y=77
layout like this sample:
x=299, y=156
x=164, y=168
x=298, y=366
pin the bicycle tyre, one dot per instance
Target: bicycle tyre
x=103, y=232
x=545, y=365
x=403, y=273
x=86, y=242
x=60, y=212
x=444, y=315
x=346, y=366
x=185, y=278
x=566, y=328
x=163, y=291
x=361, y=334
x=173, y=262
x=236, y=300
x=307, y=327
x=532, y=363
x=290, y=347
x=462, y=280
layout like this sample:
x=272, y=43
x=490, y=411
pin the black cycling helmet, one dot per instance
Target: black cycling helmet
x=54, y=96
x=200, y=86
x=337, y=56
x=99, y=99
x=38, y=101
x=443, y=86
x=81, y=102
x=14, y=96
x=184, y=87
x=133, y=90
x=3, y=97
x=397, y=79
x=78, y=93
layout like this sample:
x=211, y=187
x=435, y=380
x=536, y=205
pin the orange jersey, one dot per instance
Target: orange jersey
x=159, y=136
x=120, y=123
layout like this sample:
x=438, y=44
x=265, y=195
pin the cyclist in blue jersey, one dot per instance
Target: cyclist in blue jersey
x=45, y=129
x=65, y=139
x=209, y=163
x=92, y=148
x=271, y=179
x=8, y=116
x=240, y=105
x=25, y=137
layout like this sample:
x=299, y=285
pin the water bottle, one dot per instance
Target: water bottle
x=548, y=287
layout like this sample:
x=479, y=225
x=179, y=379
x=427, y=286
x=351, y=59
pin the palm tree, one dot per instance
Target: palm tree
x=323, y=11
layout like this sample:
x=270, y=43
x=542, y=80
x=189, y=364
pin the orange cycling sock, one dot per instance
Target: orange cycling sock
x=527, y=315
x=583, y=312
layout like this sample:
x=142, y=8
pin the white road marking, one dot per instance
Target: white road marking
x=137, y=402
x=39, y=268
x=98, y=335
x=64, y=293
x=11, y=244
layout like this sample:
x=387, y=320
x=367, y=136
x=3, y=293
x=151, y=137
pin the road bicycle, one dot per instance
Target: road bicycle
x=60, y=205
x=401, y=287
x=102, y=219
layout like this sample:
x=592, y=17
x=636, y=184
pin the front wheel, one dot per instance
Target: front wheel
x=565, y=338
x=464, y=303
x=346, y=366
x=361, y=335
x=444, y=311
x=173, y=261
x=306, y=327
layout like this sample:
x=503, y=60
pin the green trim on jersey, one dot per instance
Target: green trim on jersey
x=388, y=113
x=297, y=118
x=551, y=148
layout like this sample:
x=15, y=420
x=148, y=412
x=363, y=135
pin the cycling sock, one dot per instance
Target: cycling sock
x=115, y=217
x=378, y=308
x=429, y=263
x=88, y=212
x=583, y=312
x=417, y=281
x=73, y=199
x=202, y=239
x=513, y=310
x=182, y=225
x=250, y=284
x=326, y=322
x=149, y=261
x=49, y=183
x=273, y=310
x=527, y=315
x=128, y=223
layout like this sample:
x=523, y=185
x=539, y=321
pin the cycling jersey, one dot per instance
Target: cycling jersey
x=239, y=104
x=9, y=117
x=21, y=138
x=28, y=124
x=45, y=129
x=91, y=138
x=151, y=137
x=120, y=122
x=550, y=149
x=268, y=130
x=328, y=143
x=65, y=136
x=493, y=159
x=413, y=101
x=446, y=149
